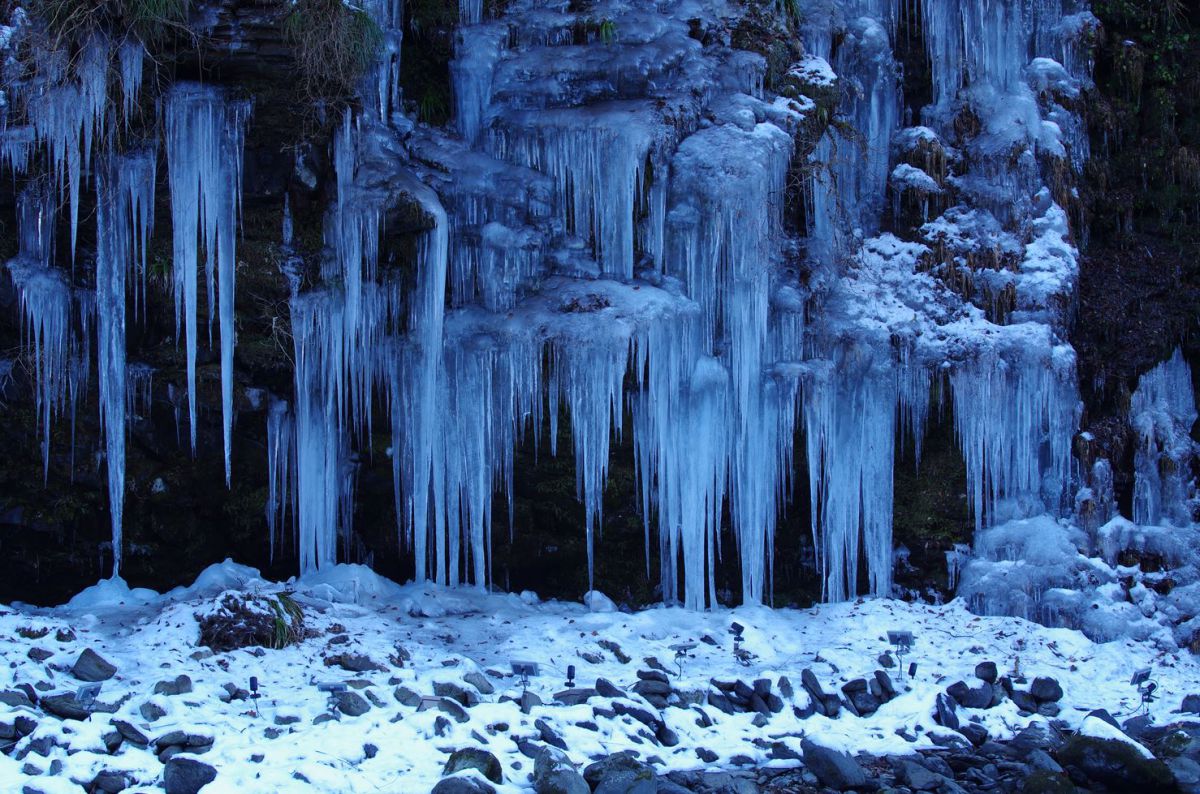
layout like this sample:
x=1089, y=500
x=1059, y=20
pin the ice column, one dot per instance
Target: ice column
x=125, y=207
x=1162, y=413
x=205, y=134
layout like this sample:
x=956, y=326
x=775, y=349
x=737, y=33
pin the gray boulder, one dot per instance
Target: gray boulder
x=184, y=775
x=474, y=758
x=621, y=773
x=834, y=769
x=553, y=773
x=92, y=667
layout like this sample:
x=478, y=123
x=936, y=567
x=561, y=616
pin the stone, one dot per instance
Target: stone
x=945, y=712
x=112, y=741
x=187, y=775
x=706, y=755
x=647, y=688
x=605, y=688
x=834, y=769
x=979, y=697
x=958, y=690
x=474, y=758
x=987, y=672
x=1036, y=736
x=621, y=773
x=887, y=688
x=64, y=707
x=16, y=698
x=351, y=704
x=130, y=732
x=886, y=661
x=370, y=750
x=1190, y=705
x=1116, y=764
x=110, y=782
x=573, y=697
x=406, y=697
x=480, y=682
x=1024, y=701
x=785, y=687
x=180, y=685
x=92, y=667
x=553, y=773
x=641, y=715
x=1041, y=760
x=39, y=655
x=1046, y=690
x=461, y=784
x=549, y=735
x=151, y=711
x=448, y=689
x=653, y=675
x=453, y=709
x=975, y=733
x=666, y=737
x=354, y=662
x=916, y=776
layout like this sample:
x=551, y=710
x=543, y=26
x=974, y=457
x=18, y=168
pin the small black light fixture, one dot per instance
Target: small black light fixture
x=570, y=676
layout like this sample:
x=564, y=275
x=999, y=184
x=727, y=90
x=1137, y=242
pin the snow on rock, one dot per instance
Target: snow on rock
x=258, y=744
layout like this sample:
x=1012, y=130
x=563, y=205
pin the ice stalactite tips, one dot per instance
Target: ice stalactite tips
x=124, y=218
x=205, y=133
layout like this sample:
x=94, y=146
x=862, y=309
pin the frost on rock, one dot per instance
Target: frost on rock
x=1162, y=413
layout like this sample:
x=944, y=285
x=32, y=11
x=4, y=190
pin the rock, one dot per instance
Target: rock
x=474, y=758
x=1046, y=690
x=110, y=782
x=39, y=655
x=785, y=687
x=1024, y=701
x=64, y=635
x=666, y=737
x=480, y=682
x=781, y=752
x=721, y=703
x=453, y=710
x=834, y=769
x=641, y=715
x=112, y=741
x=979, y=697
x=549, y=735
x=606, y=689
x=553, y=773
x=130, y=733
x=917, y=777
x=887, y=688
x=354, y=662
x=15, y=698
x=1190, y=705
x=375, y=699
x=1040, y=760
x=447, y=689
x=1036, y=736
x=351, y=704
x=1049, y=709
x=181, y=685
x=706, y=755
x=462, y=784
x=1186, y=772
x=573, y=697
x=975, y=733
x=1116, y=764
x=945, y=713
x=653, y=675
x=529, y=700
x=1104, y=716
x=620, y=773
x=987, y=672
x=886, y=661
x=151, y=711
x=958, y=690
x=650, y=688
x=370, y=750
x=92, y=667
x=64, y=707
x=406, y=697
x=187, y=775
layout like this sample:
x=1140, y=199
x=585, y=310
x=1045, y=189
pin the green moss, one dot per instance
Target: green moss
x=1048, y=783
x=1117, y=764
x=334, y=46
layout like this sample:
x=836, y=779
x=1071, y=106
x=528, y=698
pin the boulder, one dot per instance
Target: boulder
x=620, y=773
x=987, y=672
x=474, y=758
x=979, y=697
x=480, y=682
x=351, y=704
x=463, y=784
x=92, y=667
x=184, y=775
x=945, y=712
x=406, y=697
x=606, y=689
x=64, y=707
x=448, y=689
x=1190, y=705
x=1116, y=764
x=553, y=773
x=916, y=776
x=834, y=769
x=1046, y=690
x=180, y=685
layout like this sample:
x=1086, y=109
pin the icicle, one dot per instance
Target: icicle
x=130, y=55
x=205, y=136
x=1162, y=413
x=281, y=469
x=124, y=194
x=476, y=52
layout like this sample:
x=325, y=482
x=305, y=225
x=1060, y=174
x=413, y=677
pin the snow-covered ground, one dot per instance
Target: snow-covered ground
x=450, y=633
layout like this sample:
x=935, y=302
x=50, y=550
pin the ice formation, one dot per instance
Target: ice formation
x=601, y=238
x=204, y=136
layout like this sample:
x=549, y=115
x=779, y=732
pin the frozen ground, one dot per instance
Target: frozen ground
x=450, y=633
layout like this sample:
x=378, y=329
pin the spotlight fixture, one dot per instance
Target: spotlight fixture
x=683, y=650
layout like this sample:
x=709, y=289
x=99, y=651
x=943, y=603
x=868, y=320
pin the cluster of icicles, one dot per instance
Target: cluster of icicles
x=722, y=364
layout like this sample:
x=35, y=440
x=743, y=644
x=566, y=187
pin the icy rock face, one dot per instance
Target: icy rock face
x=1162, y=413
